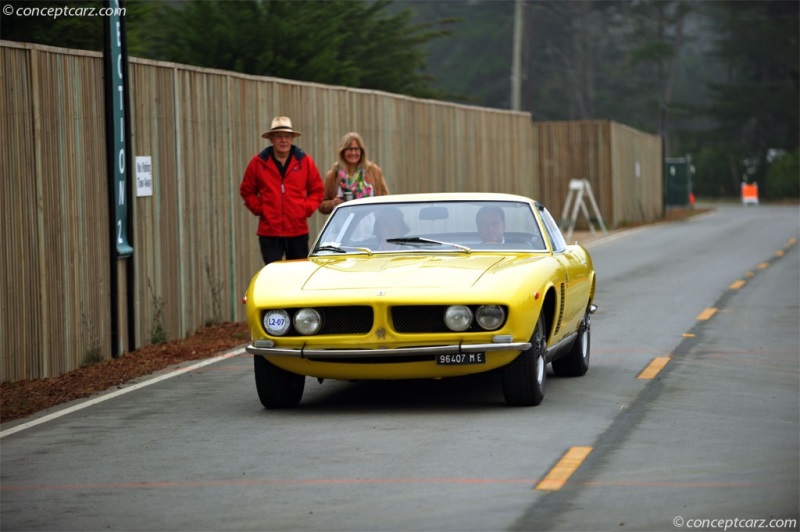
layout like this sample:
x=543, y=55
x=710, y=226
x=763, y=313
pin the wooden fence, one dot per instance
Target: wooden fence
x=195, y=244
x=621, y=164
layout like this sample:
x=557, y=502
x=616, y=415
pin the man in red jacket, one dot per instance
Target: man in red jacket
x=282, y=186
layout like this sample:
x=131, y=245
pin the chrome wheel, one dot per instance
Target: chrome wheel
x=575, y=363
x=524, y=379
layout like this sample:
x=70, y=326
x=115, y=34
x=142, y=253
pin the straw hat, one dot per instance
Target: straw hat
x=281, y=123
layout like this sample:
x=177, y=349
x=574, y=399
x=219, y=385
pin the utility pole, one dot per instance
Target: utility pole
x=516, y=60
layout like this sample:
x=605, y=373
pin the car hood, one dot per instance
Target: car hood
x=320, y=278
x=400, y=271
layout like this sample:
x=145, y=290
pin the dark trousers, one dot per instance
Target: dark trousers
x=273, y=248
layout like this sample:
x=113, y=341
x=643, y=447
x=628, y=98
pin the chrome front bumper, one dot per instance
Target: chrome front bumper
x=265, y=347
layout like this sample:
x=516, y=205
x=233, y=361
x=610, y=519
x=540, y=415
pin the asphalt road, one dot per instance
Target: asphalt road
x=713, y=437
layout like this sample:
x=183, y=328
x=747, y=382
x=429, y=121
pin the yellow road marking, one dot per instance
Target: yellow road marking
x=653, y=368
x=793, y=240
x=564, y=469
x=707, y=313
x=737, y=284
x=688, y=335
x=779, y=253
x=749, y=274
x=762, y=266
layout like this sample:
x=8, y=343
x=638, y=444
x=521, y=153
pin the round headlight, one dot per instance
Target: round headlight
x=458, y=318
x=307, y=321
x=490, y=317
x=276, y=322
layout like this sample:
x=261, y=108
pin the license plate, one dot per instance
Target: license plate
x=460, y=359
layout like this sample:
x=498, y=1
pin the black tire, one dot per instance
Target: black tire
x=277, y=388
x=576, y=362
x=524, y=379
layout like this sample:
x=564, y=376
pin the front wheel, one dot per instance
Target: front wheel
x=576, y=362
x=277, y=388
x=523, y=379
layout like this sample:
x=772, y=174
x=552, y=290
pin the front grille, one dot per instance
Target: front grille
x=426, y=319
x=341, y=320
x=359, y=319
x=346, y=320
x=419, y=319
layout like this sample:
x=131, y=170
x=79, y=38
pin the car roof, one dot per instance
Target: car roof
x=442, y=196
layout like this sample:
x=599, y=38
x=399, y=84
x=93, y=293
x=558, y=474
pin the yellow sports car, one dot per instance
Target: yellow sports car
x=425, y=286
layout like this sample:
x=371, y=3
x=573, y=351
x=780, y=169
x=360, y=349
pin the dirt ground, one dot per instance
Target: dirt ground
x=20, y=399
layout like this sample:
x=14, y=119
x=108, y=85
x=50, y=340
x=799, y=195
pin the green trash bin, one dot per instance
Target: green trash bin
x=678, y=180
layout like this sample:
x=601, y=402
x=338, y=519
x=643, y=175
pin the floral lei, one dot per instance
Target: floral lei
x=356, y=183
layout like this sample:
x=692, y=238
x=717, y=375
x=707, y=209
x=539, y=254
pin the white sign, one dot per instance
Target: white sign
x=144, y=175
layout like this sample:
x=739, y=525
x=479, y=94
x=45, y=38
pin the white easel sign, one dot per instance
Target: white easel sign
x=144, y=176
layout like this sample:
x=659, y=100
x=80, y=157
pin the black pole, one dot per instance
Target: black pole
x=108, y=91
x=130, y=263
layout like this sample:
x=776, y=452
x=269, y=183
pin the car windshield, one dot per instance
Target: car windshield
x=456, y=226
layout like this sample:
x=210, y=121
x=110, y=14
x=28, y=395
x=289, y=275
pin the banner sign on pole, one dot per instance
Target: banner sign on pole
x=115, y=85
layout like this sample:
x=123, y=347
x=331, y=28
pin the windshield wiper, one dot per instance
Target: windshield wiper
x=412, y=240
x=342, y=249
x=331, y=247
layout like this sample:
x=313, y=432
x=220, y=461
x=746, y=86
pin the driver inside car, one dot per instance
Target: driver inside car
x=491, y=223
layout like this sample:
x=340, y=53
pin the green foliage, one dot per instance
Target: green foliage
x=92, y=356
x=718, y=171
x=351, y=43
x=81, y=32
x=755, y=106
x=719, y=78
x=216, y=289
x=783, y=178
x=471, y=63
x=580, y=60
x=158, y=333
x=337, y=42
x=94, y=353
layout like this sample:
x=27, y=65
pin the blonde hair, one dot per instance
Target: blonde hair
x=363, y=163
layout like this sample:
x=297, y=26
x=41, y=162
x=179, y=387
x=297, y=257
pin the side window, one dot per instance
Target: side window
x=550, y=225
